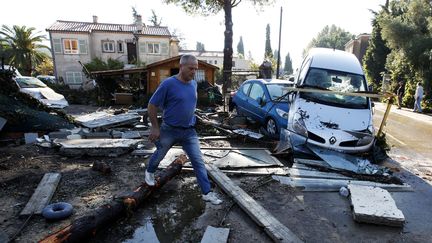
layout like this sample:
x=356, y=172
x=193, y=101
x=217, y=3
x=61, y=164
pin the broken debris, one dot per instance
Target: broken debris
x=96, y=147
x=273, y=227
x=333, y=185
x=113, y=121
x=375, y=205
x=215, y=235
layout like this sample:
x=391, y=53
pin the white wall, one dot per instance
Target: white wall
x=69, y=62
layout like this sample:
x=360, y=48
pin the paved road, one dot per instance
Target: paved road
x=410, y=136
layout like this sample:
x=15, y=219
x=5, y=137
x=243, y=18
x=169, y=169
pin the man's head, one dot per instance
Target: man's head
x=188, y=67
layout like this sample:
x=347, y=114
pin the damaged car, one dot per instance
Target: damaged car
x=333, y=120
x=37, y=89
x=264, y=101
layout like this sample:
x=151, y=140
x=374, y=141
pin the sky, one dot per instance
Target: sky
x=302, y=20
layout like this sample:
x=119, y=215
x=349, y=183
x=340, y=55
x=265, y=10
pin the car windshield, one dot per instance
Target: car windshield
x=30, y=83
x=278, y=90
x=338, y=82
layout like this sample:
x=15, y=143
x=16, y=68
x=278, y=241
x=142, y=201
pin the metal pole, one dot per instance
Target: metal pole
x=279, y=50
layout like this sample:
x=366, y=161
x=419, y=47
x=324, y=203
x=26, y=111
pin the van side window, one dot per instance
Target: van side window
x=303, y=71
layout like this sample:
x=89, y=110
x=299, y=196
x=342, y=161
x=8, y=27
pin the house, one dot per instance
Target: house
x=358, y=46
x=74, y=43
x=216, y=58
x=154, y=73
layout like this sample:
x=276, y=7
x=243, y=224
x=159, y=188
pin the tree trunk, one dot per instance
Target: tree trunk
x=87, y=226
x=228, y=50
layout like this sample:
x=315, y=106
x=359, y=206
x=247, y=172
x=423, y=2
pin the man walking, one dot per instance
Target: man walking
x=418, y=97
x=400, y=93
x=177, y=96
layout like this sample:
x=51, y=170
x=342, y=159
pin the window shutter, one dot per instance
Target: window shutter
x=164, y=48
x=83, y=47
x=57, y=46
x=142, y=47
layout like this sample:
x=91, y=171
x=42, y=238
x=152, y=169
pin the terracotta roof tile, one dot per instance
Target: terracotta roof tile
x=72, y=26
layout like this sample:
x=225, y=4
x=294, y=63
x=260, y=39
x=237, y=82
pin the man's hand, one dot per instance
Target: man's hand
x=154, y=129
x=154, y=134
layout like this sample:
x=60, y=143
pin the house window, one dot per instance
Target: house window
x=70, y=46
x=153, y=48
x=82, y=46
x=108, y=46
x=74, y=78
x=119, y=46
x=215, y=62
x=199, y=75
x=210, y=61
x=57, y=46
x=233, y=62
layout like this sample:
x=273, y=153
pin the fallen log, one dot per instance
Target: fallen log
x=88, y=226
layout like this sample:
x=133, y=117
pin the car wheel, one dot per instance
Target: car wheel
x=271, y=127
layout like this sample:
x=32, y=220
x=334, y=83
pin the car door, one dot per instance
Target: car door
x=241, y=98
x=253, y=107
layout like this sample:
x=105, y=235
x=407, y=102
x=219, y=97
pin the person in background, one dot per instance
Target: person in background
x=177, y=96
x=418, y=97
x=400, y=93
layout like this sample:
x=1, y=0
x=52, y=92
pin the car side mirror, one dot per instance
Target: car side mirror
x=261, y=101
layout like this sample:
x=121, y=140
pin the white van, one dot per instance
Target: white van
x=334, y=121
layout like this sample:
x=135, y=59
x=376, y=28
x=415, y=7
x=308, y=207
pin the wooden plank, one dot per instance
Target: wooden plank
x=276, y=230
x=215, y=235
x=42, y=195
x=375, y=205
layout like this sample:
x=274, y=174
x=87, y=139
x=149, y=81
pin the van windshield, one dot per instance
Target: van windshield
x=335, y=81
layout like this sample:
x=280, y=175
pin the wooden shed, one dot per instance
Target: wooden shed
x=159, y=71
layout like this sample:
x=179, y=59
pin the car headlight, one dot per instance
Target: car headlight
x=365, y=140
x=282, y=113
x=299, y=126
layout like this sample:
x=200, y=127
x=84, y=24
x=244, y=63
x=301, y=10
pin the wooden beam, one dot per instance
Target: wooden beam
x=275, y=229
x=87, y=226
x=42, y=195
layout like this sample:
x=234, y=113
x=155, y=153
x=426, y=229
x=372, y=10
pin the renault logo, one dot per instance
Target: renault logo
x=332, y=140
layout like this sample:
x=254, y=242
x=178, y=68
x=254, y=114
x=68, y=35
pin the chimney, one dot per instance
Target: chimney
x=95, y=19
x=139, y=23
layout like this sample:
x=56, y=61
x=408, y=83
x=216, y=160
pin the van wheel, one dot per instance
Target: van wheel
x=271, y=127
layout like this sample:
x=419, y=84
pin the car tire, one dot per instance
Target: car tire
x=271, y=127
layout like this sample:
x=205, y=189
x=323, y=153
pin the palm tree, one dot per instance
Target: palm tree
x=22, y=47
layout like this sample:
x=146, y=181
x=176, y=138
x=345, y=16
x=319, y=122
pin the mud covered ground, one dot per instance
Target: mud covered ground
x=176, y=213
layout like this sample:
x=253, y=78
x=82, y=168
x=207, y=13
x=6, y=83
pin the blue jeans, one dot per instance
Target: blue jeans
x=417, y=104
x=188, y=138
